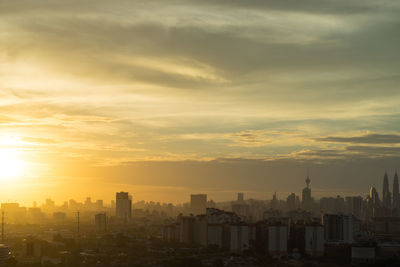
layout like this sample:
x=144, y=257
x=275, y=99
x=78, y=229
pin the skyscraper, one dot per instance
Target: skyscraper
x=291, y=202
x=306, y=196
x=100, y=220
x=396, y=196
x=123, y=206
x=374, y=202
x=386, y=196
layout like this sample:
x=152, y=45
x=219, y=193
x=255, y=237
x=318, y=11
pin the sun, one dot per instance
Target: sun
x=11, y=164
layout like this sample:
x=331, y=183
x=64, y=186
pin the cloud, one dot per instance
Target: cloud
x=364, y=139
x=250, y=83
x=375, y=151
x=38, y=140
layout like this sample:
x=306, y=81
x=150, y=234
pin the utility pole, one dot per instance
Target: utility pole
x=2, y=227
x=105, y=222
x=78, y=223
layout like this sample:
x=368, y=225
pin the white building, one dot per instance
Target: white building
x=171, y=232
x=215, y=235
x=277, y=240
x=186, y=227
x=239, y=237
x=200, y=230
x=314, y=240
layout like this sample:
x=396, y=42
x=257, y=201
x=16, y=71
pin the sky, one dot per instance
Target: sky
x=163, y=98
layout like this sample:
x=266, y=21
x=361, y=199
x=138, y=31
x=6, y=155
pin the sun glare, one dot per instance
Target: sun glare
x=11, y=164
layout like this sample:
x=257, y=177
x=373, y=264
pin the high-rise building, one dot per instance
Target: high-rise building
x=386, y=197
x=291, y=202
x=396, y=196
x=339, y=228
x=99, y=204
x=123, y=206
x=307, y=237
x=186, y=226
x=239, y=237
x=277, y=239
x=198, y=203
x=100, y=220
x=88, y=203
x=306, y=196
x=240, y=197
x=354, y=206
x=374, y=202
x=274, y=202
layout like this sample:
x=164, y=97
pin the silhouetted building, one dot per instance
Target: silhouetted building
x=241, y=209
x=186, y=229
x=100, y=221
x=374, y=203
x=396, y=196
x=386, y=197
x=339, y=228
x=277, y=239
x=271, y=236
x=171, y=232
x=307, y=201
x=354, y=205
x=307, y=238
x=291, y=202
x=274, y=202
x=99, y=204
x=123, y=206
x=198, y=203
x=332, y=204
x=200, y=230
x=239, y=237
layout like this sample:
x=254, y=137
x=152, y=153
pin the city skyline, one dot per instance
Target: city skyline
x=389, y=196
x=199, y=133
x=326, y=230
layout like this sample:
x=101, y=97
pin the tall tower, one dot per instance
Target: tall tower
x=374, y=202
x=396, y=196
x=386, y=198
x=123, y=206
x=306, y=196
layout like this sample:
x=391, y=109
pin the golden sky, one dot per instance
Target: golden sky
x=164, y=98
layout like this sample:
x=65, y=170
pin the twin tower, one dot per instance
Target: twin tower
x=389, y=205
x=390, y=201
